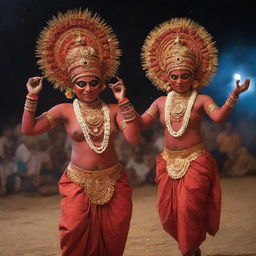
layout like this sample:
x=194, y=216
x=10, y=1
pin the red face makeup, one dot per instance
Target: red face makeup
x=181, y=80
x=87, y=88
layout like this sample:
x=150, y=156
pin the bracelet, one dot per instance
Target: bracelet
x=231, y=101
x=233, y=97
x=30, y=104
x=127, y=110
x=32, y=96
x=123, y=100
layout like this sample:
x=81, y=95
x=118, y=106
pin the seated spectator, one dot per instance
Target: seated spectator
x=210, y=132
x=8, y=168
x=228, y=140
x=138, y=168
x=240, y=163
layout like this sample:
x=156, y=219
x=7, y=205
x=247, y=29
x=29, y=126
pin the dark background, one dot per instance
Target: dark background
x=232, y=25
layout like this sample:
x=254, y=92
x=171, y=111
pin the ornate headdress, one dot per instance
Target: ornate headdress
x=76, y=44
x=179, y=44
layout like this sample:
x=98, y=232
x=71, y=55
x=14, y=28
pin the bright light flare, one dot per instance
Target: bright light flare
x=237, y=76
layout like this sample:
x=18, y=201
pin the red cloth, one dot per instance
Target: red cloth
x=190, y=206
x=94, y=230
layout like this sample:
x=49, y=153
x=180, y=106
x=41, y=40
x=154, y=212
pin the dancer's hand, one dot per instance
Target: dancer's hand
x=241, y=88
x=118, y=89
x=35, y=85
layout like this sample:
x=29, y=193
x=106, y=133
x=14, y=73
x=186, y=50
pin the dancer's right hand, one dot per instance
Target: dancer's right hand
x=35, y=85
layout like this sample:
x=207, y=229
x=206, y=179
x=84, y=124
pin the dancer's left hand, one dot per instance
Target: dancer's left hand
x=118, y=89
x=241, y=88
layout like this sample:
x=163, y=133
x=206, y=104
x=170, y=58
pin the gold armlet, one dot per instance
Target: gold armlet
x=152, y=113
x=211, y=108
x=50, y=119
x=122, y=125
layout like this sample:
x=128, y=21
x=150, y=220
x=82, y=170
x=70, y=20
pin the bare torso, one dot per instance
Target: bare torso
x=192, y=135
x=82, y=155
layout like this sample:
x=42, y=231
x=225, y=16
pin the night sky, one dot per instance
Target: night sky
x=233, y=27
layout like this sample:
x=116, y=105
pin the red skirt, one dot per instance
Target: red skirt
x=88, y=229
x=190, y=206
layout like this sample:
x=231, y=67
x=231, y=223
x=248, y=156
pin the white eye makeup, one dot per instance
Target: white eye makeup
x=93, y=83
x=183, y=76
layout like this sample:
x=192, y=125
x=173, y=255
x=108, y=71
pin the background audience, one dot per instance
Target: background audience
x=33, y=165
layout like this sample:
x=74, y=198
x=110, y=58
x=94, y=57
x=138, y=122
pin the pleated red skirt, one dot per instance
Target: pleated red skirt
x=189, y=207
x=94, y=230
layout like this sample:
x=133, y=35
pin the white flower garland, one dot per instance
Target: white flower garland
x=86, y=130
x=186, y=115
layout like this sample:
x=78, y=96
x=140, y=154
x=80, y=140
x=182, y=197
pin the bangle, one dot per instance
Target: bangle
x=32, y=96
x=127, y=110
x=231, y=101
x=122, y=100
x=233, y=97
x=30, y=104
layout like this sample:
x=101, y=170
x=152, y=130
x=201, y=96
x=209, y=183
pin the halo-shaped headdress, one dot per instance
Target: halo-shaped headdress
x=179, y=44
x=75, y=44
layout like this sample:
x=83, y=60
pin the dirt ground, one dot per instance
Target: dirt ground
x=29, y=224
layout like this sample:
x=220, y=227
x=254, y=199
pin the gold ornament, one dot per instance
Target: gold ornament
x=76, y=44
x=178, y=112
x=179, y=44
x=98, y=185
x=94, y=121
x=179, y=105
x=178, y=162
x=87, y=127
x=195, y=84
x=69, y=93
x=50, y=119
x=211, y=108
x=93, y=117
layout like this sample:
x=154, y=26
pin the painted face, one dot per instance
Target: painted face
x=181, y=80
x=87, y=88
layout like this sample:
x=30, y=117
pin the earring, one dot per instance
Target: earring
x=168, y=87
x=195, y=84
x=69, y=93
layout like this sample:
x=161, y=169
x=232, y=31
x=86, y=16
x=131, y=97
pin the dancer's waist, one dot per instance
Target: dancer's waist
x=98, y=185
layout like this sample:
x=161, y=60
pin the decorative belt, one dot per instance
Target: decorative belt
x=178, y=162
x=98, y=185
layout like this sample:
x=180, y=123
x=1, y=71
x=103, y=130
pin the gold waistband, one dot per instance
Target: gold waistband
x=98, y=185
x=178, y=162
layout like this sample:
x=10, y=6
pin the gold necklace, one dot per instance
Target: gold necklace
x=186, y=118
x=93, y=117
x=93, y=144
x=179, y=105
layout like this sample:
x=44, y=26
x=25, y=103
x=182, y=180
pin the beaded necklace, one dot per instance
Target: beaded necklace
x=168, y=109
x=94, y=119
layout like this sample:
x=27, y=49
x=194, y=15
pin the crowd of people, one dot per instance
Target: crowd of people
x=228, y=143
x=33, y=165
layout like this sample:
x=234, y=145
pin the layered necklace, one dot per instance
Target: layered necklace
x=178, y=105
x=94, y=120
